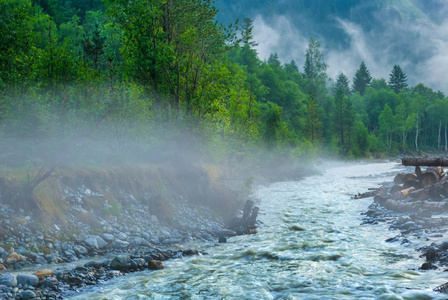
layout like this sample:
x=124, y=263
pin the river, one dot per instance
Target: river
x=310, y=246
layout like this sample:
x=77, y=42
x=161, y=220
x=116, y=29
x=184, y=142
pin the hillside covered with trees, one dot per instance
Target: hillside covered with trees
x=100, y=81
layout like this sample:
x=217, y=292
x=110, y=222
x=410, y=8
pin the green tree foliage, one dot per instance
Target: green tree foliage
x=18, y=50
x=343, y=83
x=315, y=67
x=362, y=79
x=313, y=122
x=126, y=69
x=397, y=79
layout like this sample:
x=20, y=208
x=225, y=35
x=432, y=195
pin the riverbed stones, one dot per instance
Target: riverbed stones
x=120, y=262
x=155, y=265
x=8, y=280
x=27, y=279
x=26, y=295
x=91, y=242
x=108, y=237
x=43, y=273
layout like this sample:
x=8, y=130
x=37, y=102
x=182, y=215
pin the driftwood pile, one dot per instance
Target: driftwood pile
x=421, y=190
x=246, y=223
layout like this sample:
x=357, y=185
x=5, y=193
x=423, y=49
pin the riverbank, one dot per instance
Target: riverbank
x=81, y=213
x=419, y=223
x=136, y=211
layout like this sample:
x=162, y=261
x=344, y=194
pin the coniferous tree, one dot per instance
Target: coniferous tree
x=339, y=114
x=362, y=79
x=246, y=33
x=274, y=60
x=343, y=83
x=315, y=67
x=397, y=79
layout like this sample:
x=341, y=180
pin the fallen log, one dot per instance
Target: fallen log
x=396, y=188
x=412, y=183
x=371, y=193
x=410, y=177
x=402, y=194
x=425, y=161
x=399, y=178
x=431, y=176
x=400, y=206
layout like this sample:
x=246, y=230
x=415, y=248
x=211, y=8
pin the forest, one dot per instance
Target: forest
x=98, y=81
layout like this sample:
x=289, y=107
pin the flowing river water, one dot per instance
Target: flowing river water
x=310, y=246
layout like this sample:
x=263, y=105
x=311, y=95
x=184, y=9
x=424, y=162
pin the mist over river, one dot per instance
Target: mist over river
x=310, y=246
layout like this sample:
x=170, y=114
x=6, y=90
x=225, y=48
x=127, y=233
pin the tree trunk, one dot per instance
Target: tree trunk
x=425, y=161
x=446, y=139
x=416, y=133
x=431, y=176
x=438, y=138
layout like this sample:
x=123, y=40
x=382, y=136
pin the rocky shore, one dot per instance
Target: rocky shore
x=412, y=222
x=62, y=282
x=135, y=234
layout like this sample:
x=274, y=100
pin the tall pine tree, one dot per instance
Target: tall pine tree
x=397, y=79
x=343, y=83
x=362, y=79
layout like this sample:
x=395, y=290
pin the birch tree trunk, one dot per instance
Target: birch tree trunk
x=416, y=134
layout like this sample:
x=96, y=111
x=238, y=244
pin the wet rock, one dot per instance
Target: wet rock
x=43, y=273
x=92, y=264
x=444, y=246
x=27, y=279
x=120, y=262
x=15, y=256
x=431, y=254
x=8, y=280
x=50, y=283
x=426, y=266
x=190, y=252
x=40, y=260
x=140, y=262
x=91, y=243
x=206, y=236
x=122, y=236
x=155, y=265
x=138, y=241
x=2, y=250
x=79, y=250
x=10, y=261
x=2, y=267
x=120, y=244
x=222, y=239
x=392, y=240
x=101, y=243
x=74, y=280
x=172, y=241
x=108, y=237
x=25, y=295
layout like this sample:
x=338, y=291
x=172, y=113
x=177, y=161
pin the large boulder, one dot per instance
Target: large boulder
x=108, y=237
x=25, y=295
x=79, y=249
x=118, y=244
x=101, y=243
x=9, y=280
x=120, y=262
x=27, y=279
x=91, y=242
x=155, y=265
